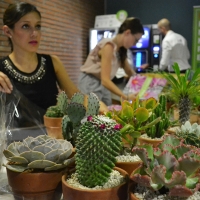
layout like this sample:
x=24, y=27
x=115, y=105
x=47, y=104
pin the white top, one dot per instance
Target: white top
x=174, y=49
x=92, y=64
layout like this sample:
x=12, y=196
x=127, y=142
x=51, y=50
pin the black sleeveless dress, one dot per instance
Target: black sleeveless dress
x=35, y=91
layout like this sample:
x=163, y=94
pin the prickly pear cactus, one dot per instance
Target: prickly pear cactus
x=62, y=101
x=76, y=111
x=98, y=143
x=43, y=152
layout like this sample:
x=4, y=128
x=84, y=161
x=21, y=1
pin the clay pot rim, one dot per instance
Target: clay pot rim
x=124, y=173
x=129, y=162
x=52, y=117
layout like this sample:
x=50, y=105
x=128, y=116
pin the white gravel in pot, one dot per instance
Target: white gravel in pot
x=128, y=158
x=115, y=179
x=142, y=193
x=147, y=137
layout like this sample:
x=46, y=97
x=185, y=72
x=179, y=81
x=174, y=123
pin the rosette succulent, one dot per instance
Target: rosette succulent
x=98, y=143
x=190, y=133
x=42, y=153
x=171, y=167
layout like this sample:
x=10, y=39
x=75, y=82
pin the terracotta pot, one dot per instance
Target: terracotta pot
x=154, y=142
x=116, y=193
x=128, y=166
x=53, y=127
x=35, y=186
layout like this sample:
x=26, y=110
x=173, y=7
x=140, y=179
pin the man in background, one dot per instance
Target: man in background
x=174, y=48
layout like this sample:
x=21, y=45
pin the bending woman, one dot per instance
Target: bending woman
x=104, y=60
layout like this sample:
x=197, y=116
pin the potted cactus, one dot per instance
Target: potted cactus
x=70, y=112
x=98, y=142
x=184, y=90
x=53, y=116
x=76, y=112
x=35, y=167
x=171, y=169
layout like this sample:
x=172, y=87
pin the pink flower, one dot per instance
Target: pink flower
x=117, y=126
x=102, y=126
x=89, y=118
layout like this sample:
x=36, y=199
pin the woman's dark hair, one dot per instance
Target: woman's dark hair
x=135, y=27
x=15, y=12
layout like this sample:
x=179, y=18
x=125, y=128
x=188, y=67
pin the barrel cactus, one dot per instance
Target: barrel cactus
x=40, y=153
x=98, y=143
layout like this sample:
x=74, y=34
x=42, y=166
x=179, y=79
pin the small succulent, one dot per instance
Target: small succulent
x=42, y=152
x=58, y=110
x=157, y=130
x=171, y=167
x=75, y=112
x=98, y=143
x=134, y=118
x=190, y=133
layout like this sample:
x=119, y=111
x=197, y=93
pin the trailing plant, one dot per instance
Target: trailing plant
x=190, y=133
x=171, y=167
x=98, y=143
x=42, y=153
x=157, y=130
x=133, y=118
x=184, y=89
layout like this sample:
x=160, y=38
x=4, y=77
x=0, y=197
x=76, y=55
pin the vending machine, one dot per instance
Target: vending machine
x=148, y=49
x=97, y=34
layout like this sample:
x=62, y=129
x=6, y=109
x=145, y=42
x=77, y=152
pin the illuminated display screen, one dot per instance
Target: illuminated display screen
x=145, y=39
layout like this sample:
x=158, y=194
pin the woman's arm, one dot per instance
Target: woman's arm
x=106, y=54
x=128, y=69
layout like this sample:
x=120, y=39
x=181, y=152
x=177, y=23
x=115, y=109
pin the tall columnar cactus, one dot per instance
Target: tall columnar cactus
x=98, y=143
x=76, y=112
x=172, y=167
x=158, y=130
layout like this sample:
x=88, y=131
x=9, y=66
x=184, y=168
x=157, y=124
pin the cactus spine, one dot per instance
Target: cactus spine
x=98, y=143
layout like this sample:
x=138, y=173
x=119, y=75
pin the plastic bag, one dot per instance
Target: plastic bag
x=19, y=118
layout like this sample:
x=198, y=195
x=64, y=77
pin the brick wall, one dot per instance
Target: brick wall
x=65, y=29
